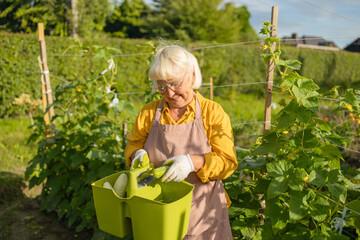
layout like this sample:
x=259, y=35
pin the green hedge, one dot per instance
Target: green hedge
x=19, y=70
x=328, y=68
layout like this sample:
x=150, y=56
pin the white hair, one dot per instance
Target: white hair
x=174, y=62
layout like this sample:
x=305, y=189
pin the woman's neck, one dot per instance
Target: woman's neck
x=177, y=113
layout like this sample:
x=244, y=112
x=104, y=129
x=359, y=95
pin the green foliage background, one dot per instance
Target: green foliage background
x=20, y=73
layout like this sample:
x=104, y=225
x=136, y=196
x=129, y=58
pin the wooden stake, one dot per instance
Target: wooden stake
x=270, y=75
x=124, y=134
x=43, y=90
x=45, y=71
x=211, y=89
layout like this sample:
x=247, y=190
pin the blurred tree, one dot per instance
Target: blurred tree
x=74, y=18
x=23, y=16
x=7, y=15
x=246, y=31
x=127, y=19
x=186, y=20
x=190, y=20
x=92, y=16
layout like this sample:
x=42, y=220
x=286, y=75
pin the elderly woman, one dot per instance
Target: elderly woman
x=193, y=132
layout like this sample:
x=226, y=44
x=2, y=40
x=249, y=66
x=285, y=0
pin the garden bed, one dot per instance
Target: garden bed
x=21, y=217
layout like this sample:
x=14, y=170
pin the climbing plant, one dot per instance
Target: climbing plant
x=290, y=184
x=85, y=145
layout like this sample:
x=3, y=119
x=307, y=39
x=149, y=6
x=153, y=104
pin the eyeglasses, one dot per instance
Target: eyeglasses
x=172, y=85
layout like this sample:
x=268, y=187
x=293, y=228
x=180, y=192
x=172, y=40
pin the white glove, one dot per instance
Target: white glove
x=180, y=169
x=141, y=158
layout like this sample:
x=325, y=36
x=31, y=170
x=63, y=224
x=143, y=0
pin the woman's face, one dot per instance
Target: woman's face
x=178, y=93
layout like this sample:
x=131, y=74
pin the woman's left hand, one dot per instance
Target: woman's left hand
x=180, y=169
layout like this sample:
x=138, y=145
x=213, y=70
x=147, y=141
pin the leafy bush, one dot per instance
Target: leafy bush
x=84, y=146
x=290, y=185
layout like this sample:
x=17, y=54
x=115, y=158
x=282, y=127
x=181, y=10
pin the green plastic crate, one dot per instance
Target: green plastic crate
x=159, y=211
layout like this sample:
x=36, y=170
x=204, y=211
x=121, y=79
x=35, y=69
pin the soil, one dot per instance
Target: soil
x=21, y=217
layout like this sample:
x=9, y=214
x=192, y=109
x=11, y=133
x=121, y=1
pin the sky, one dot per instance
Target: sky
x=337, y=21
x=334, y=20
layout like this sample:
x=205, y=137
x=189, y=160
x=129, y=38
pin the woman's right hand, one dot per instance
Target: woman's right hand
x=180, y=168
x=141, y=158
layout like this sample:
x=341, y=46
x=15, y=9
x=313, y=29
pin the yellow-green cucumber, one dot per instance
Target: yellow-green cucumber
x=121, y=184
x=141, y=163
x=160, y=171
x=107, y=185
x=145, y=160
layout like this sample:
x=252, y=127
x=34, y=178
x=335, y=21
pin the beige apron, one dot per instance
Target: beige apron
x=209, y=218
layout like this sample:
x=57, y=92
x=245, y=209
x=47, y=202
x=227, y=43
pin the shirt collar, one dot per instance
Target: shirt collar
x=191, y=106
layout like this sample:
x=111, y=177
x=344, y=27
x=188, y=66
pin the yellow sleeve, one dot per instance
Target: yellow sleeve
x=221, y=162
x=140, y=131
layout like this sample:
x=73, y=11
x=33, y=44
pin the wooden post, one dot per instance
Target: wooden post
x=270, y=74
x=43, y=90
x=75, y=18
x=211, y=89
x=45, y=71
x=124, y=135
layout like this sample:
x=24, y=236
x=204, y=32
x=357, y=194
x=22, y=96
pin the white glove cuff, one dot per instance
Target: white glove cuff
x=139, y=153
x=190, y=162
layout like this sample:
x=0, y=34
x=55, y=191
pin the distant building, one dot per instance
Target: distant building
x=309, y=42
x=354, y=46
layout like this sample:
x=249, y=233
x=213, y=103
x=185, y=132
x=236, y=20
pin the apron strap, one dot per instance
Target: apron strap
x=158, y=112
x=197, y=109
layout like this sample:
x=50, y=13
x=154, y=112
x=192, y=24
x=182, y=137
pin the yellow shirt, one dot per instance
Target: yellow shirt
x=220, y=163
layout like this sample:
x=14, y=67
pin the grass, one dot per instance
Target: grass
x=14, y=150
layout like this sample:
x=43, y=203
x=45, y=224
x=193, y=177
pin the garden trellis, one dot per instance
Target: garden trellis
x=47, y=96
x=268, y=89
x=45, y=78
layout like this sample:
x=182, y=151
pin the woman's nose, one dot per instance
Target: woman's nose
x=169, y=92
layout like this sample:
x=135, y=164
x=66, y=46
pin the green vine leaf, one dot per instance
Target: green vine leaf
x=318, y=177
x=277, y=187
x=253, y=163
x=306, y=138
x=270, y=144
x=287, y=115
x=319, y=208
x=298, y=205
x=279, y=215
x=351, y=98
x=331, y=151
x=338, y=191
x=293, y=64
x=270, y=40
x=354, y=212
x=296, y=181
x=279, y=169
